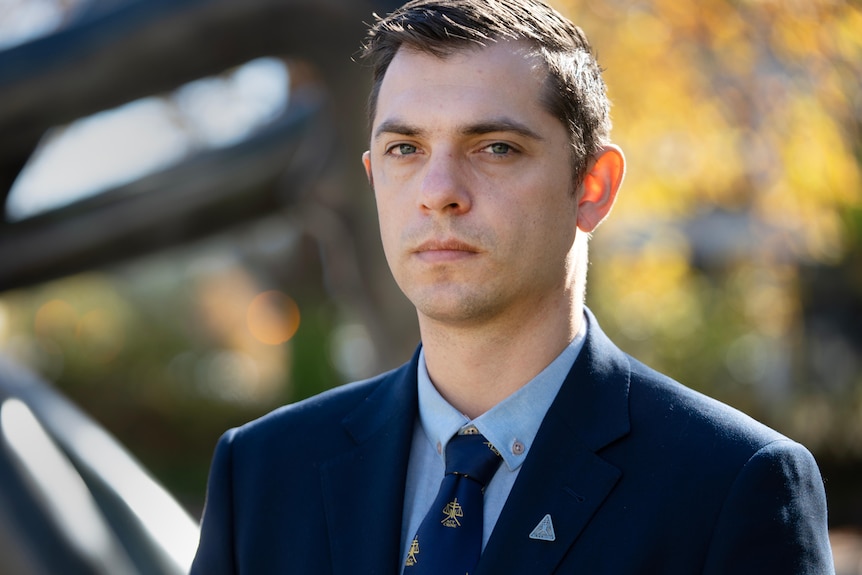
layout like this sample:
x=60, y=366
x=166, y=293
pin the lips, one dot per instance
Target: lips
x=444, y=250
x=446, y=245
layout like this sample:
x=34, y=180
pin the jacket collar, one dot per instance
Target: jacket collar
x=364, y=486
x=594, y=400
x=564, y=475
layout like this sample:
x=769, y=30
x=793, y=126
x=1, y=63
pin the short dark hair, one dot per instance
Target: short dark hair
x=575, y=92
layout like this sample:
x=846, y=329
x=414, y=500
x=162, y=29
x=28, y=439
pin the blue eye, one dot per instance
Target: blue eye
x=404, y=149
x=500, y=148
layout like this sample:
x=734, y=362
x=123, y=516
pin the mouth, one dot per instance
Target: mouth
x=439, y=250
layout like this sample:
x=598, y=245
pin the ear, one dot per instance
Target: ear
x=600, y=186
x=366, y=161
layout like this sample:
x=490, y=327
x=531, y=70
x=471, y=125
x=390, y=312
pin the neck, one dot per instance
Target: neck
x=476, y=367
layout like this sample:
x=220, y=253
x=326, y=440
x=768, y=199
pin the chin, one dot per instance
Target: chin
x=456, y=311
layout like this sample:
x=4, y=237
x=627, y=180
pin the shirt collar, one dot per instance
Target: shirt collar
x=512, y=424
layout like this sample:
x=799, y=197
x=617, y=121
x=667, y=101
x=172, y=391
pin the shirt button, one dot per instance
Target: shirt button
x=518, y=448
x=439, y=447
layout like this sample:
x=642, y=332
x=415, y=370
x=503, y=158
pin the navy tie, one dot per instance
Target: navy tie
x=449, y=539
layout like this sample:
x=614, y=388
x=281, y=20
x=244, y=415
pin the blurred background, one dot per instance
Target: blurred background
x=189, y=241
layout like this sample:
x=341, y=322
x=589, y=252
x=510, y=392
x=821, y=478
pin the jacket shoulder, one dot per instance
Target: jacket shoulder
x=321, y=416
x=686, y=416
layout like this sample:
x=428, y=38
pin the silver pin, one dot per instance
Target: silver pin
x=544, y=531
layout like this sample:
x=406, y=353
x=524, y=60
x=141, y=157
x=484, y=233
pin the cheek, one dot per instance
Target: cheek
x=390, y=189
x=542, y=200
x=549, y=218
x=388, y=205
x=382, y=195
x=388, y=222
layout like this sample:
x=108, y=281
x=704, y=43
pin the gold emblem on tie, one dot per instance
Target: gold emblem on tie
x=412, y=553
x=492, y=448
x=452, y=511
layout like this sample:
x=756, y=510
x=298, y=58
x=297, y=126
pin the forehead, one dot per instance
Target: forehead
x=503, y=77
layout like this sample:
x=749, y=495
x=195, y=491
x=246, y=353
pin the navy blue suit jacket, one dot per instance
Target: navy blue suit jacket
x=639, y=474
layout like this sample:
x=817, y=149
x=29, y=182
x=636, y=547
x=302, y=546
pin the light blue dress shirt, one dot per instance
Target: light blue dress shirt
x=511, y=426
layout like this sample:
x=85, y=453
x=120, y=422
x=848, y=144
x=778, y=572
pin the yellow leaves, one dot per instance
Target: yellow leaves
x=740, y=105
x=814, y=29
x=818, y=178
x=766, y=297
x=653, y=289
x=844, y=37
x=671, y=169
x=817, y=163
x=649, y=34
x=795, y=34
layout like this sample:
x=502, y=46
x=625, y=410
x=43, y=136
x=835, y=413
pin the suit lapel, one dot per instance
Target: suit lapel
x=364, y=487
x=570, y=493
x=563, y=475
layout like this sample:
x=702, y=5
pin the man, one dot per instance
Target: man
x=491, y=164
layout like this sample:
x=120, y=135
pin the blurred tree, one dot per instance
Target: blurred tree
x=732, y=258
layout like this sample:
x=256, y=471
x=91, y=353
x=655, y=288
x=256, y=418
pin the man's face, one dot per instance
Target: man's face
x=473, y=181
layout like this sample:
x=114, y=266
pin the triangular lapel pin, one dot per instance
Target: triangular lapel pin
x=544, y=531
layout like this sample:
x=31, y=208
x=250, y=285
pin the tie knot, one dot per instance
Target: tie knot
x=472, y=456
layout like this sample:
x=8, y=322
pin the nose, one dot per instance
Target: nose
x=443, y=188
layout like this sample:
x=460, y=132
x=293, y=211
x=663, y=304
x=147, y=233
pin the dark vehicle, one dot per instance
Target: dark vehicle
x=72, y=500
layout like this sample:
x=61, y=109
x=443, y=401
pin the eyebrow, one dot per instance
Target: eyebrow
x=397, y=127
x=500, y=125
x=479, y=128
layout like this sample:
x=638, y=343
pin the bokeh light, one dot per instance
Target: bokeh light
x=273, y=317
x=100, y=335
x=56, y=320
